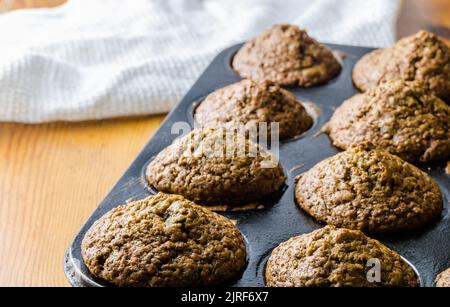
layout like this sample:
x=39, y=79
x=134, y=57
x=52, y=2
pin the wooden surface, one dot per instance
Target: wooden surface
x=9, y=5
x=52, y=176
x=432, y=15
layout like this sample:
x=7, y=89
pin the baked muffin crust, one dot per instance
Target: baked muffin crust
x=252, y=102
x=190, y=167
x=164, y=240
x=335, y=257
x=420, y=57
x=369, y=190
x=443, y=279
x=286, y=55
x=400, y=117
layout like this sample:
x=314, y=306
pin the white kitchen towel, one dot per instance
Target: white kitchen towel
x=92, y=59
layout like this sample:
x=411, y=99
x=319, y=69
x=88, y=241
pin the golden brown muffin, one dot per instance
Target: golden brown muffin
x=369, y=190
x=421, y=57
x=164, y=240
x=400, y=117
x=286, y=55
x=443, y=279
x=252, y=102
x=216, y=166
x=336, y=257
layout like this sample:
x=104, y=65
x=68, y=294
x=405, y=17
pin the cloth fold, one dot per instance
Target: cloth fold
x=108, y=58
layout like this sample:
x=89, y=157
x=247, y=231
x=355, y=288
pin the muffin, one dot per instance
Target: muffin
x=369, y=190
x=216, y=166
x=252, y=102
x=400, y=117
x=336, y=257
x=421, y=57
x=443, y=279
x=164, y=240
x=286, y=55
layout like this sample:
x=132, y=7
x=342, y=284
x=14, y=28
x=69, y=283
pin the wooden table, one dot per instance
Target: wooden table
x=52, y=176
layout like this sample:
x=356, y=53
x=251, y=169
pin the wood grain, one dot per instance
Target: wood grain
x=52, y=176
x=9, y=5
x=431, y=15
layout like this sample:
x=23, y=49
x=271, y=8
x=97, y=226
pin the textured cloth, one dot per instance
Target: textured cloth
x=107, y=58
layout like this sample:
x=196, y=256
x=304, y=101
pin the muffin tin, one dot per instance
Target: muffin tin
x=427, y=249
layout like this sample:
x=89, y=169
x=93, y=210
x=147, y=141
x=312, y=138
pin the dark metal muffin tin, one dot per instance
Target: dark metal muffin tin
x=427, y=249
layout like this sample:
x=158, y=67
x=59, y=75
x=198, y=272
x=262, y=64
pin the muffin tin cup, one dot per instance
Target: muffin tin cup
x=425, y=249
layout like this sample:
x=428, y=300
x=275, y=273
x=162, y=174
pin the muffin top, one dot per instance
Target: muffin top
x=400, y=117
x=288, y=56
x=422, y=57
x=443, y=279
x=369, y=190
x=252, y=102
x=336, y=257
x=216, y=166
x=164, y=240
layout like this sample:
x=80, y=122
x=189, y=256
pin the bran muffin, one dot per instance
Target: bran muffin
x=400, y=117
x=443, y=279
x=216, y=166
x=336, y=257
x=164, y=240
x=286, y=55
x=421, y=57
x=252, y=102
x=369, y=190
